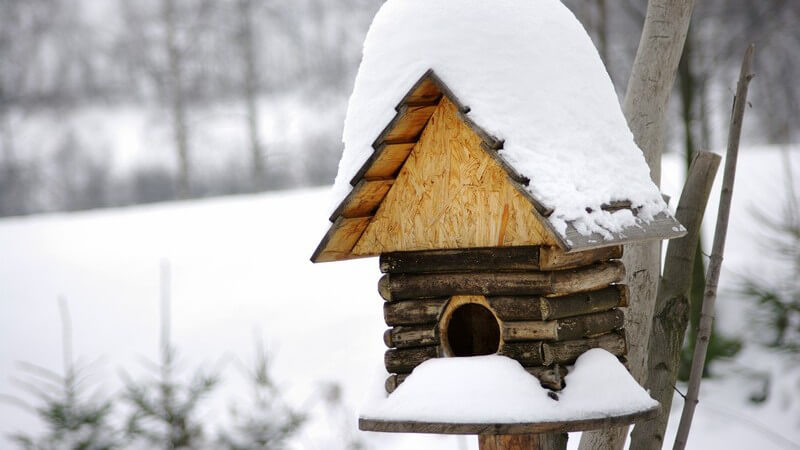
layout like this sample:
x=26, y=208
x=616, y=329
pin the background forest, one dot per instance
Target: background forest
x=110, y=103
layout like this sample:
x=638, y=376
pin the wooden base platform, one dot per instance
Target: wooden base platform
x=365, y=424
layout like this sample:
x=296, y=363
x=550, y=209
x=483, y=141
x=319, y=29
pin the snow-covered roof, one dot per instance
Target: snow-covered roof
x=528, y=76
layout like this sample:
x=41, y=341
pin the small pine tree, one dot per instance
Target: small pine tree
x=164, y=410
x=74, y=418
x=778, y=297
x=267, y=422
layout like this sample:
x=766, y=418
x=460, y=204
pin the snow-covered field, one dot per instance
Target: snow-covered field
x=240, y=269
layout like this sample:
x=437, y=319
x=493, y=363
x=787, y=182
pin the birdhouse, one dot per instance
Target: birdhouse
x=498, y=188
x=472, y=264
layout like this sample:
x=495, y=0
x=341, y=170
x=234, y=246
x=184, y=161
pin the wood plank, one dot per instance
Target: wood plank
x=584, y=303
x=553, y=258
x=406, y=286
x=451, y=194
x=566, y=352
x=413, y=312
x=406, y=126
x=428, y=87
x=363, y=200
x=406, y=359
x=388, y=160
x=411, y=336
x=367, y=424
x=500, y=259
x=424, y=91
x=340, y=239
x=663, y=226
x=564, y=329
x=526, y=353
x=522, y=308
x=394, y=380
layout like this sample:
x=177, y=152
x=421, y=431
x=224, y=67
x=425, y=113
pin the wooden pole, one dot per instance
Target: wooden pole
x=550, y=441
x=717, y=253
x=672, y=304
x=652, y=77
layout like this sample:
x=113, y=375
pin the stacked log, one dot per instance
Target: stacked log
x=550, y=306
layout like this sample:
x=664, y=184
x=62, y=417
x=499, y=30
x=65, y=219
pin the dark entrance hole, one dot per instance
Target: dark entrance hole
x=473, y=331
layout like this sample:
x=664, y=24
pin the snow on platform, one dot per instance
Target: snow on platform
x=497, y=390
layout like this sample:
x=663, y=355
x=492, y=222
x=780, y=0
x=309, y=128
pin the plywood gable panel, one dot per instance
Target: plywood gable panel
x=451, y=194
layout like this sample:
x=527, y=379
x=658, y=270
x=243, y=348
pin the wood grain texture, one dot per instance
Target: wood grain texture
x=405, y=286
x=645, y=106
x=453, y=305
x=340, y=239
x=671, y=316
x=405, y=360
x=567, y=352
x=451, y=194
x=385, y=162
x=413, y=312
x=425, y=91
x=564, y=329
x=663, y=226
x=552, y=441
x=497, y=259
x=554, y=258
x=407, y=125
x=526, y=353
x=411, y=336
x=522, y=308
x=367, y=424
x=363, y=200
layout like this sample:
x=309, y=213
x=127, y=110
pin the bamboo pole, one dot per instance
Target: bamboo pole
x=717, y=253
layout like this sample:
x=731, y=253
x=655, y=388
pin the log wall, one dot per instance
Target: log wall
x=549, y=307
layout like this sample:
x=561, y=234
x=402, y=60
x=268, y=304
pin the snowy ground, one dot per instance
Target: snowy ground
x=240, y=268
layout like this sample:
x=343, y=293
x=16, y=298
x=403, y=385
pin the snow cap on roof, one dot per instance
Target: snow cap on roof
x=531, y=77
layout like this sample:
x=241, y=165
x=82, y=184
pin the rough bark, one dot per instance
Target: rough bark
x=645, y=105
x=564, y=329
x=717, y=252
x=549, y=441
x=393, y=287
x=672, y=304
x=405, y=360
x=413, y=312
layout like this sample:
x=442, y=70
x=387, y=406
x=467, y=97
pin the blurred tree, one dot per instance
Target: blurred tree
x=246, y=37
x=74, y=418
x=266, y=422
x=164, y=411
x=777, y=293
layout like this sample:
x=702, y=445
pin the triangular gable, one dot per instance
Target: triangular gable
x=375, y=179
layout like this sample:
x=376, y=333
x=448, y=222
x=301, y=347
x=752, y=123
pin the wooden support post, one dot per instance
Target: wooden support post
x=550, y=441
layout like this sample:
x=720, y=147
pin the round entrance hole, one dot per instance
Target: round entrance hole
x=472, y=331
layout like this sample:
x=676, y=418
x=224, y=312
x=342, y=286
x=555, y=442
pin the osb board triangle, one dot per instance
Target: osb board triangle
x=451, y=194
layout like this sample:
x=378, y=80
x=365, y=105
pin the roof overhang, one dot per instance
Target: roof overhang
x=394, y=144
